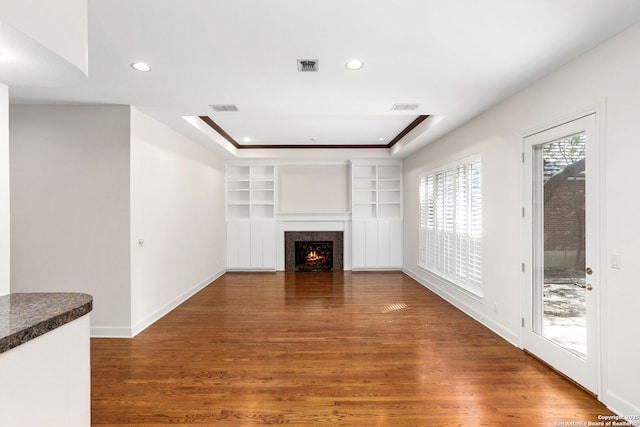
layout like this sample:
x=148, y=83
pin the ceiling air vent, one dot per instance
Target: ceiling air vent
x=305, y=65
x=405, y=107
x=224, y=107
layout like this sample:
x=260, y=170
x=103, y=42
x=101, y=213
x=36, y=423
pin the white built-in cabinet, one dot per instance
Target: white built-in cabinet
x=251, y=207
x=376, y=208
x=376, y=215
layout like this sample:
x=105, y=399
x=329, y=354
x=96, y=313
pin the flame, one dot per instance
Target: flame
x=314, y=257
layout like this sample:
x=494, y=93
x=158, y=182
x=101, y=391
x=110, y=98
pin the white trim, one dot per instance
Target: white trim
x=168, y=307
x=596, y=108
x=324, y=216
x=213, y=135
x=598, y=111
x=621, y=406
x=110, y=332
x=446, y=282
x=506, y=334
x=311, y=225
x=130, y=332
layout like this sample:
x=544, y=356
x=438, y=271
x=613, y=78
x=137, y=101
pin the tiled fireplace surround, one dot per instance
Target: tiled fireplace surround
x=291, y=237
x=322, y=227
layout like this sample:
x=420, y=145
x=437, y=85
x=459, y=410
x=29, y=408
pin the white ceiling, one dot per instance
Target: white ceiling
x=454, y=58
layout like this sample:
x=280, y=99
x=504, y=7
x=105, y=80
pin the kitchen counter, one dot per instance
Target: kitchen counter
x=25, y=316
x=45, y=360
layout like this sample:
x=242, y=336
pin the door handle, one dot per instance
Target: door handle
x=587, y=286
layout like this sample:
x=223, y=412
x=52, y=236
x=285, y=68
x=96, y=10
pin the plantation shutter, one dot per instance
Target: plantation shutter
x=422, y=190
x=475, y=227
x=450, y=240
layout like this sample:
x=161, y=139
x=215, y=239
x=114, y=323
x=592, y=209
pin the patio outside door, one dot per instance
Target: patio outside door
x=561, y=286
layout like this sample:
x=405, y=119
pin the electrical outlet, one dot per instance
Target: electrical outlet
x=140, y=243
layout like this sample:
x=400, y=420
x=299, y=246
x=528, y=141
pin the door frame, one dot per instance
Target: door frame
x=596, y=164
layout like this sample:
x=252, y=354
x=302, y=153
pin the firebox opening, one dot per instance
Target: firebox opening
x=314, y=256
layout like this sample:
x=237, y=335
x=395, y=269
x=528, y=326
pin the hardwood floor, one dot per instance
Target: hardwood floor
x=352, y=349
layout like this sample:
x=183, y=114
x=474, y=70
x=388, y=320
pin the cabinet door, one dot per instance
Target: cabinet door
x=395, y=243
x=384, y=248
x=256, y=244
x=232, y=244
x=263, y=244
x=358, y=243
x=389, y=243
x=244, y=244
x=269, y=245
x=371, y=243
x=238, y=244
x=377, y=243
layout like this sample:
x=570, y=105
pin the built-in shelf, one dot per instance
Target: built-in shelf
x=376, y=204
x=251, y=207
x=376, y=190
x=250, y=192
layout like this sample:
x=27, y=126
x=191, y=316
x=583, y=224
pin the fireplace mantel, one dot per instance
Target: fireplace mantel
x=321, y=216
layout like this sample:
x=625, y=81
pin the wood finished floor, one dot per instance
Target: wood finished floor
x=350, y=349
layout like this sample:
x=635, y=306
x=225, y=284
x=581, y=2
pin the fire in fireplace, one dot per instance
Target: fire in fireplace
x=314, y=256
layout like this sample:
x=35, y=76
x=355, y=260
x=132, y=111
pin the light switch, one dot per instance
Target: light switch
x=615, y=261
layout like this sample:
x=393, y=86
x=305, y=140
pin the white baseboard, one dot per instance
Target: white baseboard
x=110, y=332
x=130, y=332
x=168, y=307
x=496, y=327
x=621, y=407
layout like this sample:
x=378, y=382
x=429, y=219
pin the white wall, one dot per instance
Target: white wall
x=309, y=188
x=5, y=248
x=70, y=205
x=608, y=73
x=86, y=183
x=177, y=208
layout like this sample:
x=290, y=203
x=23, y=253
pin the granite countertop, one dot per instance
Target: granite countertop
x=24, y=317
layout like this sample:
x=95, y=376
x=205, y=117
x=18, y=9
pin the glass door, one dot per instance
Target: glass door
x=561, y=320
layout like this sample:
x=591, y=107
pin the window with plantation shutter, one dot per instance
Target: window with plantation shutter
x=451, y=223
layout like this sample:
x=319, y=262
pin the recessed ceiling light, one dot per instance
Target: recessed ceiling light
x=382, y=139
x=354, y=64
x=246, y=139
x=141, y=66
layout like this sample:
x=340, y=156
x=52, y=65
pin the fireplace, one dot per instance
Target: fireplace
x=314, y=256
x=313, y=250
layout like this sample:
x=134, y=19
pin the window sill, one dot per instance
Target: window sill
x=476, y=295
